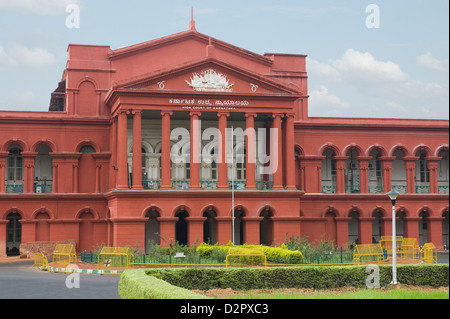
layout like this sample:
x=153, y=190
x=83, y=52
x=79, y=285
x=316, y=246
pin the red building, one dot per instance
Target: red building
x=134, y=149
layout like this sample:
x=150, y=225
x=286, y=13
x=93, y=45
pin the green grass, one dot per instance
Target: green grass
x=357, y=294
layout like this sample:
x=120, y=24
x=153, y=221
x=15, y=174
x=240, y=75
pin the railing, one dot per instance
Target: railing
x=376, y=189
x=236, y=184
x=421, y=189
x=46, y=187
x=329, y=189
x=151, y=183
x=443, y=190
x=342, y=257
x=261, y=185
x=352, y=189
x=399, y=188
x=208, y=184
x=180, y=184
x=13, y=188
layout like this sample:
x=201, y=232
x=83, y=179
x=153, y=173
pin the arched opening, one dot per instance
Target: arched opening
x=181, y=228
x=443, y=173
x=376, y=226
x=445, y=229
x=42, y=227
x=151, y=229
x=210, y=227
x=13, y=234
x=329, y=172
x=353, y=227
x=43, y=170
x=330, y=226
x=86, y=236
x=375, y=173
x=422, y=174
x=400, y=223
x=266, y=227
x=399, y=172
x=239, y=226
x=423, y=227
x=14, y=170
x=352, y=175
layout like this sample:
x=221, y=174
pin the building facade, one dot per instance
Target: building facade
x=189, y=138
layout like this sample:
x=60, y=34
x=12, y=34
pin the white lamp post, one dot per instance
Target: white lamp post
x=393, y=196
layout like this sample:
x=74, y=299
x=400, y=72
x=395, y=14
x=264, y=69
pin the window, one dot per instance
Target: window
x=424, y=172
x=15, y=165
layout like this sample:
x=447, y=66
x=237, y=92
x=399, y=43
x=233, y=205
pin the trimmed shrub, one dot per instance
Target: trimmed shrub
x=299, y=277
x=136, y=284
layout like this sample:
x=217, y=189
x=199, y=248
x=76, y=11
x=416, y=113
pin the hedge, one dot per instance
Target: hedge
x=136, y=284
x=299, y=277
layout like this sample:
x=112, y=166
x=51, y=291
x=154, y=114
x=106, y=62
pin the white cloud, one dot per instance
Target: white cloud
x=426, y=111
x=322, y=70
x=396, y=107
x=427, y=60
x=32, y=57
x=363, y=67
x=20, y=55
x=42, y=7
x=5, y=59
x=322, y=101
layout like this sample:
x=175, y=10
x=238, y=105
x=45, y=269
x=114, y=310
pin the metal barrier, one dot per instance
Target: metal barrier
x=40, y=261
x=368, y=253
x=246, y=257
x=115, y=258
x=386, y=243
x=410, y=249
x=63, y=256
x=429, y=253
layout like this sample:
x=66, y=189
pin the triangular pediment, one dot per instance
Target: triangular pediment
x=208, y=75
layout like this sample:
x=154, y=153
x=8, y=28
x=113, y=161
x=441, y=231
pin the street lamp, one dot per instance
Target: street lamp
x=393, y=196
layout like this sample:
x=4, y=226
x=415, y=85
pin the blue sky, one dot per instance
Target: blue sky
x=398, y=70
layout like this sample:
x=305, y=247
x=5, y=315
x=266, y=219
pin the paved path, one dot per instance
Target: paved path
x=19, y=281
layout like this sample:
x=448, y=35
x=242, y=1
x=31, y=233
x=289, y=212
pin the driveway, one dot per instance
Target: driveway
x=19, y=281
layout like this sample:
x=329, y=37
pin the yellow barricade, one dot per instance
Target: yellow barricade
x=115, y=258
x=368, y=254
x=40, y=261
x=410, y=249
x=246, y=257
x=63, y=255
x=429, y=253
x=386, y=243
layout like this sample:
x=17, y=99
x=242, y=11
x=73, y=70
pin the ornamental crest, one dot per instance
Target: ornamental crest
x=210, y=81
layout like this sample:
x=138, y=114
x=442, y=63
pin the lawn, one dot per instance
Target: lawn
x=410, y=292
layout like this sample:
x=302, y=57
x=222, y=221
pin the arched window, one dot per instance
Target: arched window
x=375, y=173
x=422, y=174
x=14, y=170
x=352, y=180
x=328, y=172
x=15, y=165
x=43, y=170
x=399, y=172
x=443, y=173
